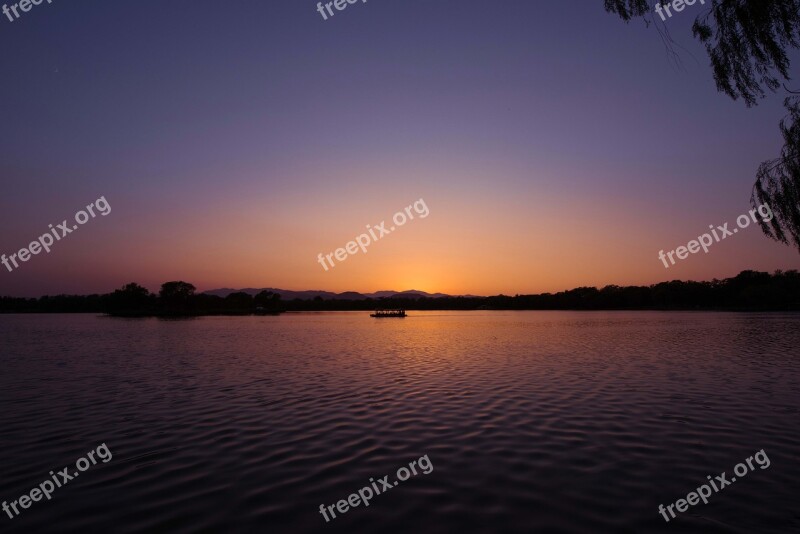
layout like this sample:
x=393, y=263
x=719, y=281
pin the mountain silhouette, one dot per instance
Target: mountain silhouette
x=287, y=294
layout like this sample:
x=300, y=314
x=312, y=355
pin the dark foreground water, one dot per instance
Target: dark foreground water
x=532, y=421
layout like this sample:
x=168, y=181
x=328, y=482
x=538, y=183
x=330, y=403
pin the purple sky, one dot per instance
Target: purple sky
x=555, y=145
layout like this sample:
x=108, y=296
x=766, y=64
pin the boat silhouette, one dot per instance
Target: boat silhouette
x=388, y=313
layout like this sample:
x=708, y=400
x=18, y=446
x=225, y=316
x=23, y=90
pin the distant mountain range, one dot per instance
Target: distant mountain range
x=327, y=295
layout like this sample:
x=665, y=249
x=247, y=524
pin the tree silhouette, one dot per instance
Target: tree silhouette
x=268, y=300
x=176, y=291
x=132, y=298
x=748, y=43
x=239, y=302
x=134, y=290
x=176, y=296
x=778, y=183
x=748, y=290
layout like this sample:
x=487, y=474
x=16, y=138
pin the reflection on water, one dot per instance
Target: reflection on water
x=535, y=421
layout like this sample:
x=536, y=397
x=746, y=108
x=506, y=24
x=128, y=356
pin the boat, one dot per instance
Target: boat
x=388, y=313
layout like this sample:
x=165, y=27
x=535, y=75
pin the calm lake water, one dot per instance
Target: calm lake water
x=573, y=422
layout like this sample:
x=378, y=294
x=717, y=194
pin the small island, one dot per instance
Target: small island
x=179, y=299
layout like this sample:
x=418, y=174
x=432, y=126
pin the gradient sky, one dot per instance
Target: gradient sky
x=554, y=145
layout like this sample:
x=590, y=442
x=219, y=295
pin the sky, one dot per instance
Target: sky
x=554, y=146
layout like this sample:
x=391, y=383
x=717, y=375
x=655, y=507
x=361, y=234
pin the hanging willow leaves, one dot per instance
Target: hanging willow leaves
x=748, y=43
x=778, y=182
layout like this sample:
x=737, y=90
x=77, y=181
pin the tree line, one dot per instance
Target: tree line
x=749, y=290
x=174, y=299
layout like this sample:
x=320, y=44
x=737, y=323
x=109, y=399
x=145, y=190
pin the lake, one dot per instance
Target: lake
x=552, y=422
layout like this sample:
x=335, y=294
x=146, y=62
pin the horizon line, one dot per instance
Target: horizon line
x=773, y=273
